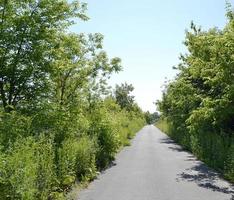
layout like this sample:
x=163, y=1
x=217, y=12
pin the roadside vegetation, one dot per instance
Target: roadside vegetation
x=60, y=122
x=197, y=108
x=151, y=118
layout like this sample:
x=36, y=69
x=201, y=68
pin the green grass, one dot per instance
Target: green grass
x=163, y=125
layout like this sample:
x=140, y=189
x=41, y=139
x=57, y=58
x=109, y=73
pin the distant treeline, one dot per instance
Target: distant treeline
x=198, y=106
x=59, y=120
x=151, y=118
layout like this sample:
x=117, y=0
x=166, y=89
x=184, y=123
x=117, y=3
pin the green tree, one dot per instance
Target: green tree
x=58, y=121
x=123, y=96
x=28, y=31
x=80, y=63
x=198, y=104
x=151, y=118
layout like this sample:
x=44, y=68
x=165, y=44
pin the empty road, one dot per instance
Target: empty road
x=155, y=168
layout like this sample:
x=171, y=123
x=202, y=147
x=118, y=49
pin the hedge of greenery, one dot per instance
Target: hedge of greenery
x=38, y=165
x=59, y=120
x=198, y=106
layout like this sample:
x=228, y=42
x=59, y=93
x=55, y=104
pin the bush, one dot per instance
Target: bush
x=28, y=170
x=76, y=160
x=56, y=125
x=46, y=170
x=107, y=141
x=163, y=125
x=45, y=152
x=229, y=164
x=198, y=103
x=126, y=123
x=13, y=126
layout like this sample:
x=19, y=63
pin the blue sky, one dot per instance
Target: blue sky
x=147, y=35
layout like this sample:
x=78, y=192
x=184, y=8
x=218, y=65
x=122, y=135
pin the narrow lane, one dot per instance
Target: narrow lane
x=155, y=168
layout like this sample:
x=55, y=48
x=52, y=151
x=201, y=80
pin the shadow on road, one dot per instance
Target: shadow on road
x=167, y=140
x=111, y=165
x=199, y=173
x=206, y=178
x=171, y=144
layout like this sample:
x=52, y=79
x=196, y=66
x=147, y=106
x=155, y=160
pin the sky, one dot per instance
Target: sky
x=148, y=37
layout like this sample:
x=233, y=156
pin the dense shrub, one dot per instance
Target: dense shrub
x=198, y=105
x=76, y=159
x=113, y=127
x=229, y=163
x=28, y=169
x=13, y=126
x=34, y=165
x=56, y=125
x=103, y=129
x=127, y=123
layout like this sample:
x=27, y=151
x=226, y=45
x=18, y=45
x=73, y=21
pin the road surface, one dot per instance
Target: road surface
x=155, y=168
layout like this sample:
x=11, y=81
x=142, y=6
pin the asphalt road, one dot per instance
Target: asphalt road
x=155, y=168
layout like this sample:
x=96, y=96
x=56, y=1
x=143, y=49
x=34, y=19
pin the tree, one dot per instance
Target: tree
x=28, y=32
x=202, y=94
x=123, y=96
x=58, y=123
x=80, y=65
x=198, y=105
x=151, y=118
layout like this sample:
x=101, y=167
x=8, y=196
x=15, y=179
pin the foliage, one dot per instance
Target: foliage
x=79, y=61
x=151, y=118
x=12, y=127
x=59, y=121
x=28, y=31
x=163, y=125
x=123, y=95
x=113, y=127
x=27, y=169
x=198, y=104
x=76, y=159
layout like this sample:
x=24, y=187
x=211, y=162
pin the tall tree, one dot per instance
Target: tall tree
x=202, y=94
x=79, y=64
x=123, y=95
x=28, y=31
